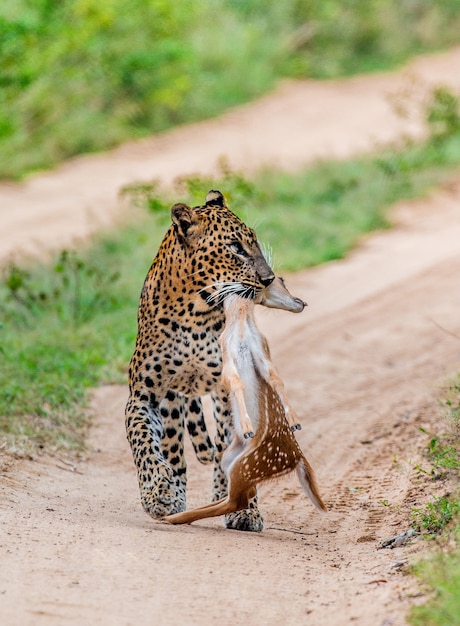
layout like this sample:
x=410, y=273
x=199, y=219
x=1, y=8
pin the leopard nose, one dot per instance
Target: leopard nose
x=267, y=281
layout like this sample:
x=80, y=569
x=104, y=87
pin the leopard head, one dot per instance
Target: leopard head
x=222, y=254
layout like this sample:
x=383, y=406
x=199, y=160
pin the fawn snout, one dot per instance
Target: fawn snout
x=277, y=296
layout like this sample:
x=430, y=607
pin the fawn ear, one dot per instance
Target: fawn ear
x=182, y=217
x=215, y=198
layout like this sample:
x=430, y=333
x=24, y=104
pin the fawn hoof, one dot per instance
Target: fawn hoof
x=248, y=435
x=249, y=520
x=296, y=427
x=162, y=497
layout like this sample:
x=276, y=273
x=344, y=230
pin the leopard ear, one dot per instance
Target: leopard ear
x=215, y=198
x=182, y=217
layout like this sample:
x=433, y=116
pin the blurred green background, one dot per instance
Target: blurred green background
x=83, y=75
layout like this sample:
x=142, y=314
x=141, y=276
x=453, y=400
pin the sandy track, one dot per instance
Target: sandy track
x=362, y=365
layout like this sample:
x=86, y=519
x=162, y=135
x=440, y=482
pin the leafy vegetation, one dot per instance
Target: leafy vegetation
x=82, y=75
x=443, y=455
x=436, y=515
x=65, y=328
x=441, y=572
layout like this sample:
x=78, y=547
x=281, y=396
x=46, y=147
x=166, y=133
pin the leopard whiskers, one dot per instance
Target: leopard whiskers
x=249, y=293
x=225, y=289
x=267, y=252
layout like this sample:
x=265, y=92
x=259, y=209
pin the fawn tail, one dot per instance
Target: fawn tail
x=309, y=485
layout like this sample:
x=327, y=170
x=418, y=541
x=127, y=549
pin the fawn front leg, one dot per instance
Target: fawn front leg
x=237, y=389
x=232, y=381
x=249, y=518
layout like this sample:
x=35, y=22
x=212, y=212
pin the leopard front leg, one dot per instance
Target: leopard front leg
x=249, y=519
x=173, y=411
x=161, y=489
x=197, y=429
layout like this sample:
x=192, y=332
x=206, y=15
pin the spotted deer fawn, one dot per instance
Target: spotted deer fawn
x=264, y=446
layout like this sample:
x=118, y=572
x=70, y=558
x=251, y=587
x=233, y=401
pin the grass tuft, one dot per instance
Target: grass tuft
x=436, y=515
x=441, y=518
x=441, y=574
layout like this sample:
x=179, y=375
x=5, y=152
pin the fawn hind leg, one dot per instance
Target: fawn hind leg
x=271, y=377
x=214, y=509
x=208, y=510
x=238, y=499
x=275, y=380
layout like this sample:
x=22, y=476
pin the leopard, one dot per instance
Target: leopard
x=207, y=253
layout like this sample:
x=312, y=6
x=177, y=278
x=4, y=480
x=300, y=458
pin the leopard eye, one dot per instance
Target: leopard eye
x=237, y=248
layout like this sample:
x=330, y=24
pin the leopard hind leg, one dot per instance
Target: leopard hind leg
x=161, y=490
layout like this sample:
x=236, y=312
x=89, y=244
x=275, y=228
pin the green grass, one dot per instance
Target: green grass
x=443, y=456
x=70, y=326
x=441, y=572
x=64, y=329
x=80, y=76
x=436, y=515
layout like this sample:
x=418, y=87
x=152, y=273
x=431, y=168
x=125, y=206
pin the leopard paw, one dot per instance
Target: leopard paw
x=249, y=520
x=163, y=497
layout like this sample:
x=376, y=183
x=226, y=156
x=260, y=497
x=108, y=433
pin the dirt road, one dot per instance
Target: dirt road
x=362, y=365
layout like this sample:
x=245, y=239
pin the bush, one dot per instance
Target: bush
x=83, y=75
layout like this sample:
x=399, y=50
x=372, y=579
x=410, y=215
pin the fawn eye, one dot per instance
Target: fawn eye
x=237, y=248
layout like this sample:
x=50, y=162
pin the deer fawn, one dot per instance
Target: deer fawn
x=264, y=446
